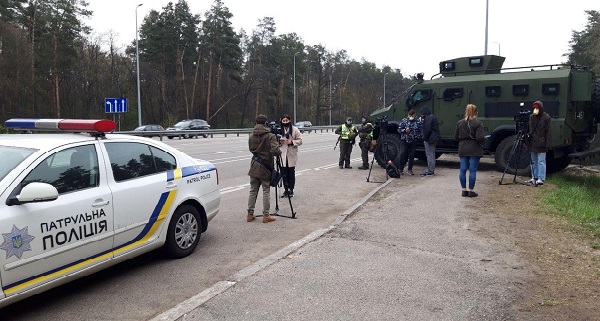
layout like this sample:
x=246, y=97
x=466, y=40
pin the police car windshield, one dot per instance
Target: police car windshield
x=11, y=158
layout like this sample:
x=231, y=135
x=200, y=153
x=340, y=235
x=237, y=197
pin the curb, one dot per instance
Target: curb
x=182, y=309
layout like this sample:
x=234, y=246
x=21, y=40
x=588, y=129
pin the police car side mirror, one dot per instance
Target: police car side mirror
x=33, y=193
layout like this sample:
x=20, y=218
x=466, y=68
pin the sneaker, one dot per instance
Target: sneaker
x=348, y=166
x=539, y=182
x=341, y=167
x=410, y=173
x=464, y=193
x=364, y=167
x=427, y=174
x=291, y=194
x=531, y=181
x=284, y=194
x=472, y=194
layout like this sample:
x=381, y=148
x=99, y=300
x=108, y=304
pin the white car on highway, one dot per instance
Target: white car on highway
x=76, y=202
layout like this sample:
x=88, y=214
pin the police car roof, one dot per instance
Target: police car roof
x=50, y=141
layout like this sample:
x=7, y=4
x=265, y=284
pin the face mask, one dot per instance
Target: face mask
x=348, y=122
x=285, y=124
x=364, y=121
x=536, y=111
x=411, y=118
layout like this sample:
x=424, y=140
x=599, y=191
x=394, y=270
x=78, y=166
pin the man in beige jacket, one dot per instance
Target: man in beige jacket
x=290, y=139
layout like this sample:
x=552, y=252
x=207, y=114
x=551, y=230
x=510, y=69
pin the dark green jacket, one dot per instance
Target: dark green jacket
x=470, y=137
x=540, y=133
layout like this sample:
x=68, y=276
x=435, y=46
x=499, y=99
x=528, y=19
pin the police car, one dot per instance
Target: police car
x=74, y=203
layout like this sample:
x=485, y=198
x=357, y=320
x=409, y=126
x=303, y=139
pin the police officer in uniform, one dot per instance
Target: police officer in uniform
x=347, y=138
x=365, y=133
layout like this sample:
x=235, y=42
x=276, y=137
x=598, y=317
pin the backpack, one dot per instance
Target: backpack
x=392, y=170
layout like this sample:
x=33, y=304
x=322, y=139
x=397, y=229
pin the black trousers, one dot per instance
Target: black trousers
x=345, y=151
x=288, y=174
x=407, y=153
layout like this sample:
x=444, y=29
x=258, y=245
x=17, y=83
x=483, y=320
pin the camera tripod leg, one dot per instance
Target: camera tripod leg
x=513, y=150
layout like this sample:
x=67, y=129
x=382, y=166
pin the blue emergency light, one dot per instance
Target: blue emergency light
x=84, y=125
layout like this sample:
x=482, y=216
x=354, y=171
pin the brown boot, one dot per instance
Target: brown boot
x=268, y=218
x=250, y=218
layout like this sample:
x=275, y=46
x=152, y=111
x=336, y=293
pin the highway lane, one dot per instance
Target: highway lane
x=146, y=286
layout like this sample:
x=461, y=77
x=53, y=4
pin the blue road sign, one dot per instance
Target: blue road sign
x=115, y=105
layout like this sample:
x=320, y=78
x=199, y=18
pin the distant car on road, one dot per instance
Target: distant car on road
x=190, y=124
x=147, y=128
x=304, y=126
x=74, y=203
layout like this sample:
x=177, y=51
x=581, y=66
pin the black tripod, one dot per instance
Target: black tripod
x=384, y=148
x=282, y=181
x=517, y=149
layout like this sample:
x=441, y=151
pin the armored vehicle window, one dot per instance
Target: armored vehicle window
x=417, y=97
x=492, y=91
x=550, y=89
x=476, y=61
x=520, y=90
x=447, y=66
x=451, y=93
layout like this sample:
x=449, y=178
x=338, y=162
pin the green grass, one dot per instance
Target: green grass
x=577, y=198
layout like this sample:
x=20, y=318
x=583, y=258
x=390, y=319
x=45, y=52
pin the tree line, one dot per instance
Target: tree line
x=191, y=66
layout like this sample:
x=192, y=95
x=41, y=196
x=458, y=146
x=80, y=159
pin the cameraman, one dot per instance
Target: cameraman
x=540, y=137
x=290, y=139
x=264, y=146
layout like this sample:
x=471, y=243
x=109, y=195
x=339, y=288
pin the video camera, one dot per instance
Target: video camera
x=275, y=128
x=522, y=119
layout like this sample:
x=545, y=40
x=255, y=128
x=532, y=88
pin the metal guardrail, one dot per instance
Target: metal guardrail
x=170, y=134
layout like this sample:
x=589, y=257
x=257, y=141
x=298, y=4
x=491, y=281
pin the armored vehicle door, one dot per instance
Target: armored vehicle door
x=449, y=107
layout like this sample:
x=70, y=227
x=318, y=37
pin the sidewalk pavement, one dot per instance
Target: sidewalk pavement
x=406, y=254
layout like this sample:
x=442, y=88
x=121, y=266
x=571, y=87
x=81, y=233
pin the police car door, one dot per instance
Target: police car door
x=45, y=241
x=142, y=194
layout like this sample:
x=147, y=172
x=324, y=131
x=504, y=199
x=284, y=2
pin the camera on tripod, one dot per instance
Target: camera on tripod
x=275, y=128
x=522, y=120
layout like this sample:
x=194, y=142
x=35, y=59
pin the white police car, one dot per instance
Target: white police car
x=75, y=203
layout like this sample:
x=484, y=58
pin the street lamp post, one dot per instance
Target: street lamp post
x=295, y=86
x=384, y=89
x=487, y=4
x=137, y=62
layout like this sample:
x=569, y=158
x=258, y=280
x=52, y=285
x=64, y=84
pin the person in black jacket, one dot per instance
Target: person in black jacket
x=431, y=135
x=540, y=138
x=469, y=133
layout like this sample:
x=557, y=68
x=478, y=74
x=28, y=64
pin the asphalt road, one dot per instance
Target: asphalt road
x=142, y=288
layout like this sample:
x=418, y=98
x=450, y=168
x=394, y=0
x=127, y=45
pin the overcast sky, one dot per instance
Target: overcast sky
x=413, y=36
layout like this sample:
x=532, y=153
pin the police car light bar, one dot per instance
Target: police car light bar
x=83, y=125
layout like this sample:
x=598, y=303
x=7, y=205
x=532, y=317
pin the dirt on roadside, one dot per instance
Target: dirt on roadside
x=565, y=282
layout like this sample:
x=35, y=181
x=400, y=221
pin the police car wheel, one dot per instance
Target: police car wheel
x=184, y=232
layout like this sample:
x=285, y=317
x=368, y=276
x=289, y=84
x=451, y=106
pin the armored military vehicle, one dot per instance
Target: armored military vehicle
x=570, y=95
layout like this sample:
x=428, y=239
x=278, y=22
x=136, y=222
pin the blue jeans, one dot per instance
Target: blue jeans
x=471, y=163
x=538, y=165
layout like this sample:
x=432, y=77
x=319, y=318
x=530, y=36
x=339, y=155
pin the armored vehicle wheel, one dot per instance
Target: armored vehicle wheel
x=393, y=150
x=519, y=163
